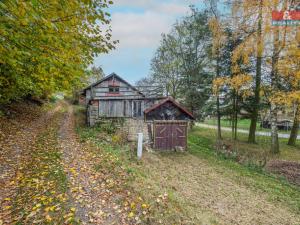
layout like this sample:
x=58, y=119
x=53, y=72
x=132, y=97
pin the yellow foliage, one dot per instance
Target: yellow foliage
x=239, y=81
x=218, y=83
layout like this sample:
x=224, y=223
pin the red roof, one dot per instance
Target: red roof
x=169, y=99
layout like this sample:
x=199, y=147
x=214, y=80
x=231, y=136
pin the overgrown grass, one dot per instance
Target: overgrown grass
x=201, y=144
x=255, y=151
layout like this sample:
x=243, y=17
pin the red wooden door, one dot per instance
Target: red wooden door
x=170, y=134
x=179, y=137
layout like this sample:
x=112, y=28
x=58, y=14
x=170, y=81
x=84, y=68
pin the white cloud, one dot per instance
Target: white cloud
x=139, y=30
x=143, y=28
x=172, y=9
x=138, y=25
x=153, y=3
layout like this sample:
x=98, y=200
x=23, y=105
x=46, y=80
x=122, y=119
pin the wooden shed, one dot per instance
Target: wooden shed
x=170, y=123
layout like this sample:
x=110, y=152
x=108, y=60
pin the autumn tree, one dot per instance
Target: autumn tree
x=218, y=40
x=289, y=67
x=46, y=46
x=249, y=18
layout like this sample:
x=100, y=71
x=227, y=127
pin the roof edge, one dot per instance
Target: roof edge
x=109, y=76
x=174, y=102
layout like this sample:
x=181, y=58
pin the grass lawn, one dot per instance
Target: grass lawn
x=201, y=143
x=243, y=147
x=242, y=124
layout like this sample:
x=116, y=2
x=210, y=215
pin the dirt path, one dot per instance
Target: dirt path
x=14, y=147
x=90, y=193
x=94, y=203
x=210, y=196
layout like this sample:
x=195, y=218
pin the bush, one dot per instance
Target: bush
x=110, y=126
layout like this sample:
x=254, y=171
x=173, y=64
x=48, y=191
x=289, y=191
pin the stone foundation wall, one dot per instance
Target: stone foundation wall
x=134, y=126
x=131, y=126
x=93, y=114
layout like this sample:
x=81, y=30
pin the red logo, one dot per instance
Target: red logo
x=286, y=15
x=286, y=18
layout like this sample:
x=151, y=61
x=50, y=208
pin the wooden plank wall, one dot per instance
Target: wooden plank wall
x=121, y=108
x=102, y=89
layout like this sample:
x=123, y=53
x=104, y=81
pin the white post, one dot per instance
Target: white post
x=140, y=145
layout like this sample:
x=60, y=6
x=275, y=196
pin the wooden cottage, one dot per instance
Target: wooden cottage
x=113, y=97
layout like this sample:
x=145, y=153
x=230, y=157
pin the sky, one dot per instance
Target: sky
x=138, y=25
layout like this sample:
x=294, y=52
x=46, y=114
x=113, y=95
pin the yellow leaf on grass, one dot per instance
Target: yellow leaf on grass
x=132, y=205
x=48, y=218
x=131, y=214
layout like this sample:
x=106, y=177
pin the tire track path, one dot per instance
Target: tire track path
x=13, y=150
x=93, y=202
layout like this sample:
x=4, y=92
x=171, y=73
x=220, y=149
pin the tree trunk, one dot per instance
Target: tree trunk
x=236, y=117
x=274, y=129
x=233, y=115
x=254, y=116
x=219, y=135
x=295, y=128
x=274, y=85
x=219, y=118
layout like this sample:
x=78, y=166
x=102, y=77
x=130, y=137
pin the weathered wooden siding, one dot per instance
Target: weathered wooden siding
x=102, y=90
x=121, y=108
x=122, y=100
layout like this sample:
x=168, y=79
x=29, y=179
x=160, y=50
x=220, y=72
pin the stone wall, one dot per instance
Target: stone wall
x=92, y=111
x=135, y=126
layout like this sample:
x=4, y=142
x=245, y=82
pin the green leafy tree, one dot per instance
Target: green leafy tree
x=46, y=46
x=181, y=63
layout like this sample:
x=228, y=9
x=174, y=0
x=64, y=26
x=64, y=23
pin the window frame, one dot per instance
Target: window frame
x=114, y=89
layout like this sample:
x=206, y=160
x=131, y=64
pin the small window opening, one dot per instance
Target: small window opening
x=137, y=109
x=113, y=89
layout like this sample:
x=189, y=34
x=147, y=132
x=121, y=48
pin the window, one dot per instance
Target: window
x=113, y=89
x=137, y=108
x=124, y=108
